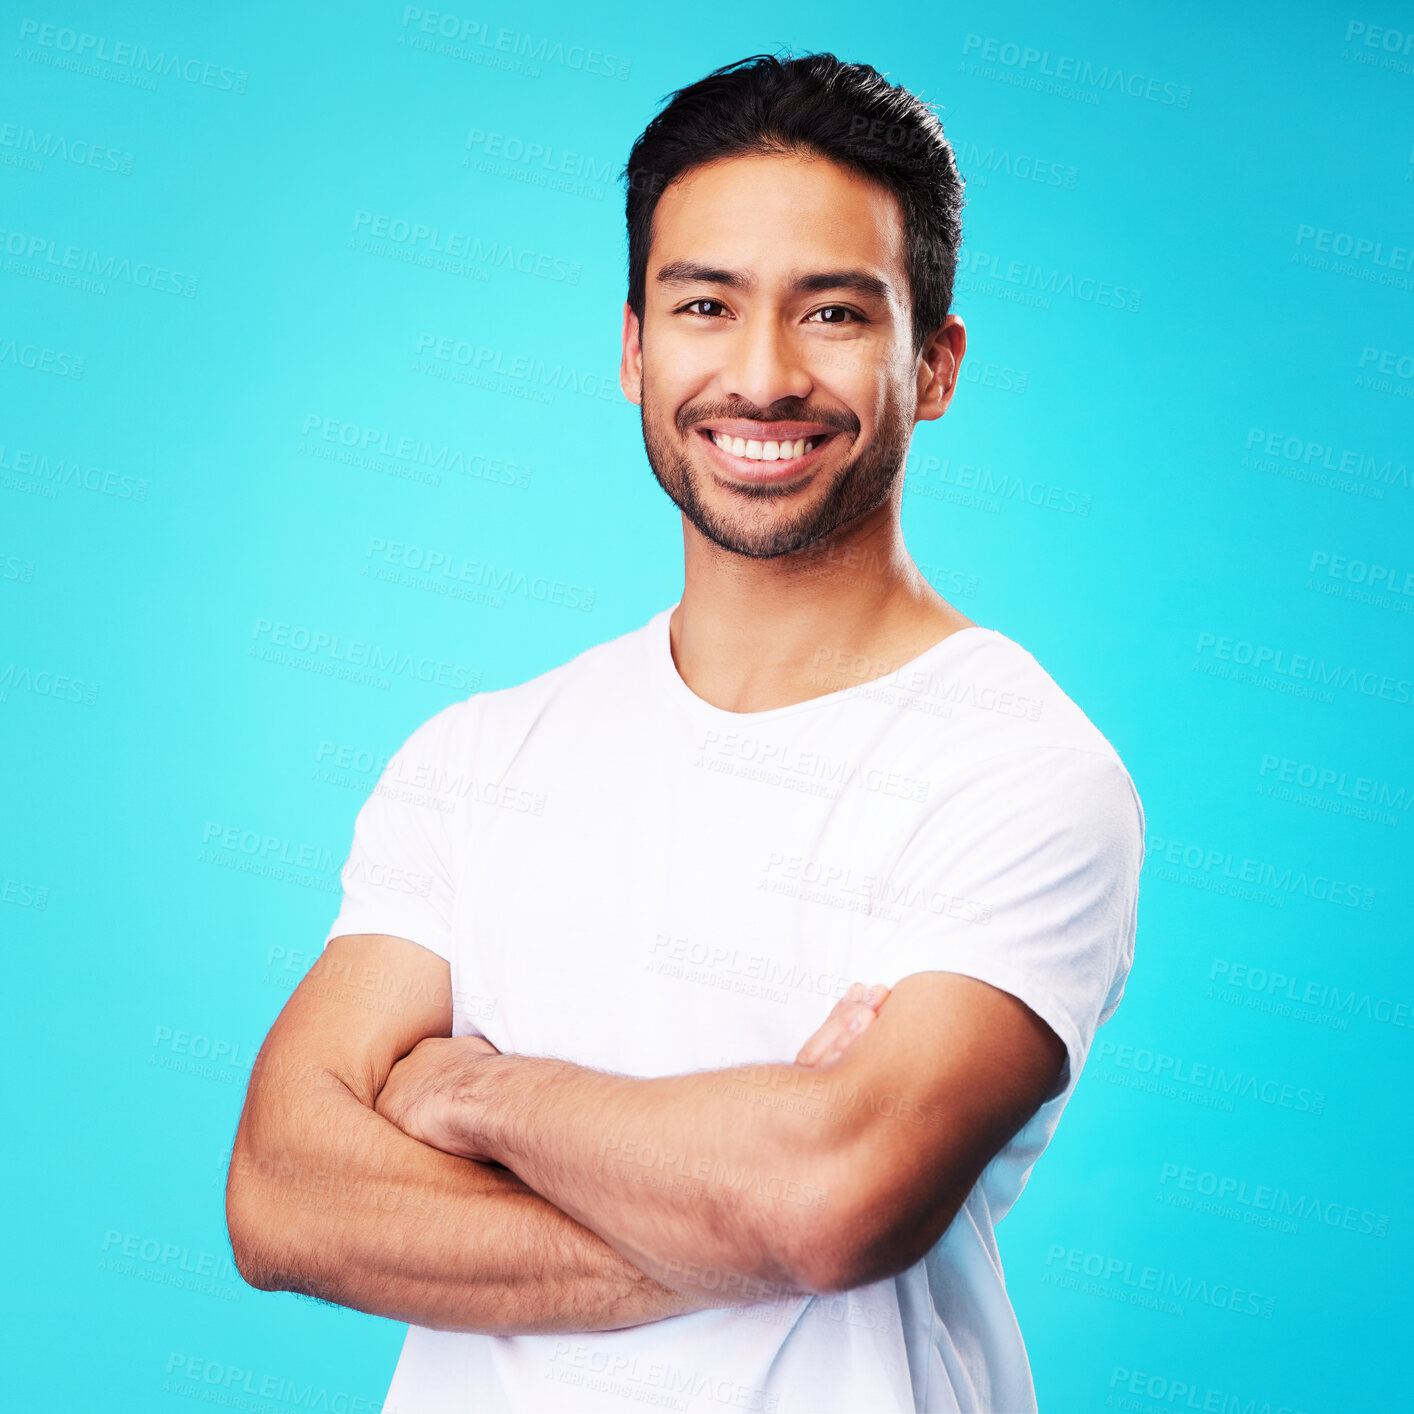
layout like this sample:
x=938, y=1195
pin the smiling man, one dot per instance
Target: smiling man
x=536, y=1098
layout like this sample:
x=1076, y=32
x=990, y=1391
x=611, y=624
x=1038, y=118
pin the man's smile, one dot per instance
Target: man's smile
x=765, y=451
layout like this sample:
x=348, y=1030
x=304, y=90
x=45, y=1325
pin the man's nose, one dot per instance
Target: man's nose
x=765, y=362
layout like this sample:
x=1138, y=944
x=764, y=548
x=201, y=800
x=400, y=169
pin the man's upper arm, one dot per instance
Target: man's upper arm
x=383, y=981
x=400, y=879
x=1037, y=856
x=951, y=1069
x=366, y=1002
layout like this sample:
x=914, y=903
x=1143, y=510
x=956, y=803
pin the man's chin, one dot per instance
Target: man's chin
x=768, y=540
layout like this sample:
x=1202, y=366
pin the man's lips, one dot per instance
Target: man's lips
x=793, y=454
x=767, y=431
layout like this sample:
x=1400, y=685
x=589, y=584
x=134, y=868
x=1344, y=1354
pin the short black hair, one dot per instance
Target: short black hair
x=849, y=113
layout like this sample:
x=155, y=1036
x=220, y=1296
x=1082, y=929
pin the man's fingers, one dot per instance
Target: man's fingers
x=849, y=1016
x=860, y=1021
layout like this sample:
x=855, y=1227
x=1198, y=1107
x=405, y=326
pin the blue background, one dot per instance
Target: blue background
x=195, y=458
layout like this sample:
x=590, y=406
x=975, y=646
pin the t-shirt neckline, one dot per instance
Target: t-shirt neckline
x=666, y=670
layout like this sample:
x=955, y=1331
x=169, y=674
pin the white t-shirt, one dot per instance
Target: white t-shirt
x=625, y=876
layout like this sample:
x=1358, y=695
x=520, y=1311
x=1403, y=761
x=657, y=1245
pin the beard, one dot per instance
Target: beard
x=760, y=523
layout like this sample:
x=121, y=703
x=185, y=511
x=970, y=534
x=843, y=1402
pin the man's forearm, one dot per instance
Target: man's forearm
x=354, y=1211
x=708, y=1180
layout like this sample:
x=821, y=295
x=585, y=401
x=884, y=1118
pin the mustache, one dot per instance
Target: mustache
x=783, y=410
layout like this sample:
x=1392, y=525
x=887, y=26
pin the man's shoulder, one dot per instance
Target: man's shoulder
x=495, y=715
x=609, y=664
x=1003, y=692
x=1004, y=704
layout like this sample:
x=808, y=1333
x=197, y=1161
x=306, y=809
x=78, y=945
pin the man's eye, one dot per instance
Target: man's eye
x=693, y=307
x=837, y=309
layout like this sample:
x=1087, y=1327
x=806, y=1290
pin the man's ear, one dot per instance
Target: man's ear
x=939, y=362
x=631, y=364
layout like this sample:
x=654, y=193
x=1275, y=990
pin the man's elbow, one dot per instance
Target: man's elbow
x=259, y=1269
x=248, y=1253
x=863, y=1232
x=254, y=1271
x=245, y=1229
x=252, y=1234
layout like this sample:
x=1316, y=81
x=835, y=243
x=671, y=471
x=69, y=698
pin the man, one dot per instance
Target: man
x=534, y=1097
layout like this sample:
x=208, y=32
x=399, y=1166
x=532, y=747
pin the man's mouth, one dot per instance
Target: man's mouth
x=765, y=451
x=762, y=450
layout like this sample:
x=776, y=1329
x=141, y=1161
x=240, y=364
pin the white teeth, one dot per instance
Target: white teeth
x=764, y=451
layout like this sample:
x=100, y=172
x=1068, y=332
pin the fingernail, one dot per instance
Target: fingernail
x=855, y=993
x=873, y=994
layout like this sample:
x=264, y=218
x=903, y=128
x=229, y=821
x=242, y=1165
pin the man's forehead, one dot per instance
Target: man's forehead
x=776, y=222
x=805, y=201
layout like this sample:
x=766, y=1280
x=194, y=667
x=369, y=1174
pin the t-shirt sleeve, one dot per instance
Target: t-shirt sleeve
x=1026, y=876
x=400, y=876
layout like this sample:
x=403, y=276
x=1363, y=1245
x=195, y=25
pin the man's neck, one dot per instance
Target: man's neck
x=753, y=635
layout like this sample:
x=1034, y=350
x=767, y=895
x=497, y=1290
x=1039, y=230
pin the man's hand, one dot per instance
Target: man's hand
x=420, y=1094
x=844, y=1025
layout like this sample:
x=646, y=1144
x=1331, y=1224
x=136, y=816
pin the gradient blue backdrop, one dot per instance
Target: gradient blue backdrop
x=1177, y=473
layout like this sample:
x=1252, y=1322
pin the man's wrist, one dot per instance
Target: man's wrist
x=469, y=1105
x=492, y=1099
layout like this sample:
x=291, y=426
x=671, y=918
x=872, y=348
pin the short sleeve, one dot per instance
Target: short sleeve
x=1026, y=876
x=400, y=876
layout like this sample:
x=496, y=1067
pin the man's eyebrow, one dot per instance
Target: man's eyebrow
x=690, y=272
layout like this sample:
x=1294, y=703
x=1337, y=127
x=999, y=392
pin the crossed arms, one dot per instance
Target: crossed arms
x=383, y=1165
